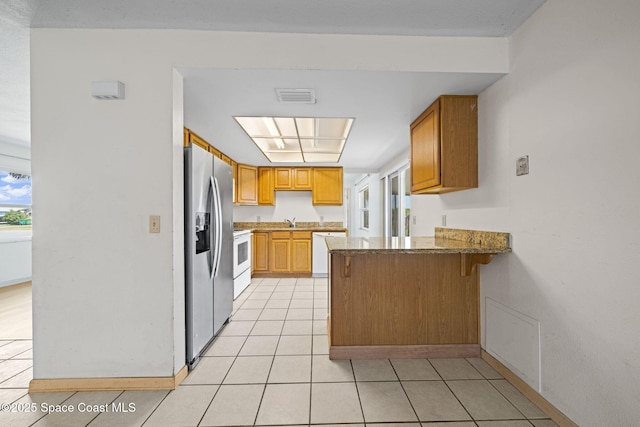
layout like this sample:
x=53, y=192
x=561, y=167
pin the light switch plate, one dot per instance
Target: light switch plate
x=522, y=166
x=154, y=223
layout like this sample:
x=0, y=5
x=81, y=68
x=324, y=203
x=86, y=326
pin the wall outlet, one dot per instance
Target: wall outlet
x=154, y=223
x=414, y=220
x=258, y=218
x=444, y=220
x=522, y=166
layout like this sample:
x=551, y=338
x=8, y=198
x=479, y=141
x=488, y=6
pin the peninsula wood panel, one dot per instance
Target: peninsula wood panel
x=403, y=299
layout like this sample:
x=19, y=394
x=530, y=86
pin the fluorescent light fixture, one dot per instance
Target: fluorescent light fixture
x=298, y=139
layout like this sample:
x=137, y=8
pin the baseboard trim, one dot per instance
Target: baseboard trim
x=106, y=384
x=403, y=351
x=554, y=413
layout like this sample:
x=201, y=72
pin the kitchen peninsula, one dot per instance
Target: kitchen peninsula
x=408, y=297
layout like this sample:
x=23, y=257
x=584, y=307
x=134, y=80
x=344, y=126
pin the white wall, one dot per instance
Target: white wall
x=107, y=294
x=571, y=103
x=289, y=204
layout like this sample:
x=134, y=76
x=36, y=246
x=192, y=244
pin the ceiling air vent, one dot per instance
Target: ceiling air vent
x=296, y=96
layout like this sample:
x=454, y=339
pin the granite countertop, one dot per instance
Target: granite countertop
x=445, y=241
x=282, y=226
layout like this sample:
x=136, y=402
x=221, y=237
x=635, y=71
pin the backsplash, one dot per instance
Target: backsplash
x=487, y=238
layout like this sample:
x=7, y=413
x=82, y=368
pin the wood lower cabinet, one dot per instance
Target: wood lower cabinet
x=301, y=252
x=327, y=186
x=247, y=185
x=444, y=146
x=260, y=261
x=282, y=253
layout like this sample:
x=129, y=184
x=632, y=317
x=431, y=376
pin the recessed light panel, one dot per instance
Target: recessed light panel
x=298, y=139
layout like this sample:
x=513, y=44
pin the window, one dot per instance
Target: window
x=364, y=208
x=15, y=201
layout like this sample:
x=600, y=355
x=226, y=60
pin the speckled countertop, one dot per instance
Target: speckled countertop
x=283, y=226
x=445, y=241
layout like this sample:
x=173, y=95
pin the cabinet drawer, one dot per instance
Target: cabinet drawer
x=301, y=234
x=280, y=234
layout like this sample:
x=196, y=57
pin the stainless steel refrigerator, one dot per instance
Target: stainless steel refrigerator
x=208, y=248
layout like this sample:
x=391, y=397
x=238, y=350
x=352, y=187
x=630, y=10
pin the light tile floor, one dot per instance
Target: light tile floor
x=269, y=366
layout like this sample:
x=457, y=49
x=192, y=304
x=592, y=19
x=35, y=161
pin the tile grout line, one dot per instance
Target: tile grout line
x=266, y=381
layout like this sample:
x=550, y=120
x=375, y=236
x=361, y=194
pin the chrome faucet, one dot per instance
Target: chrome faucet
x=292, y=222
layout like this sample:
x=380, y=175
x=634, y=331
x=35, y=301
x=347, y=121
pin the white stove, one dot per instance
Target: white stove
x=241, y=261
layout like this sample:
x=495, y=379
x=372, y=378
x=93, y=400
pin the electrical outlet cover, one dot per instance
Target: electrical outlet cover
x=522, y=166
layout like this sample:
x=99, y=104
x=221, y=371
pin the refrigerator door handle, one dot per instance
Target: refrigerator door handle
x=217, y=208
x=210, y=252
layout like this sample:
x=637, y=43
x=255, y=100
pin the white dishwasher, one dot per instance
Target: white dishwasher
x=319, y=266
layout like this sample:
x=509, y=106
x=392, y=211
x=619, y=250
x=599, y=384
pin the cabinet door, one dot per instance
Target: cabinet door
x=302, y=179
x=283, y=178
x=247, y=185
x=260, y=251
x=280, y=252
x=327, y=186
x=425, y=149
x=266, y=193
x=195, y=139
x=301, y=252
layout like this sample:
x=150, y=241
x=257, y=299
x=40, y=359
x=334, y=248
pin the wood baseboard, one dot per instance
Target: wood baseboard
x=102, y=384
x=554, y=413
x=403, y=351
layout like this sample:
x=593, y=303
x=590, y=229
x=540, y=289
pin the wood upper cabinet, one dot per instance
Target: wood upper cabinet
x=444, y=146
x=292, y=178
x=280, y=252
x=327, y=186
x=234, y=175
x=260, y=251
x=215, y=152
x=301, y=252
x=266, y=192
x=225, y=158
x=196, y=140
x=247, y=185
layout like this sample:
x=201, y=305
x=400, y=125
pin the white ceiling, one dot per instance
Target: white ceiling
x=383, y=104
x=382, y=115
